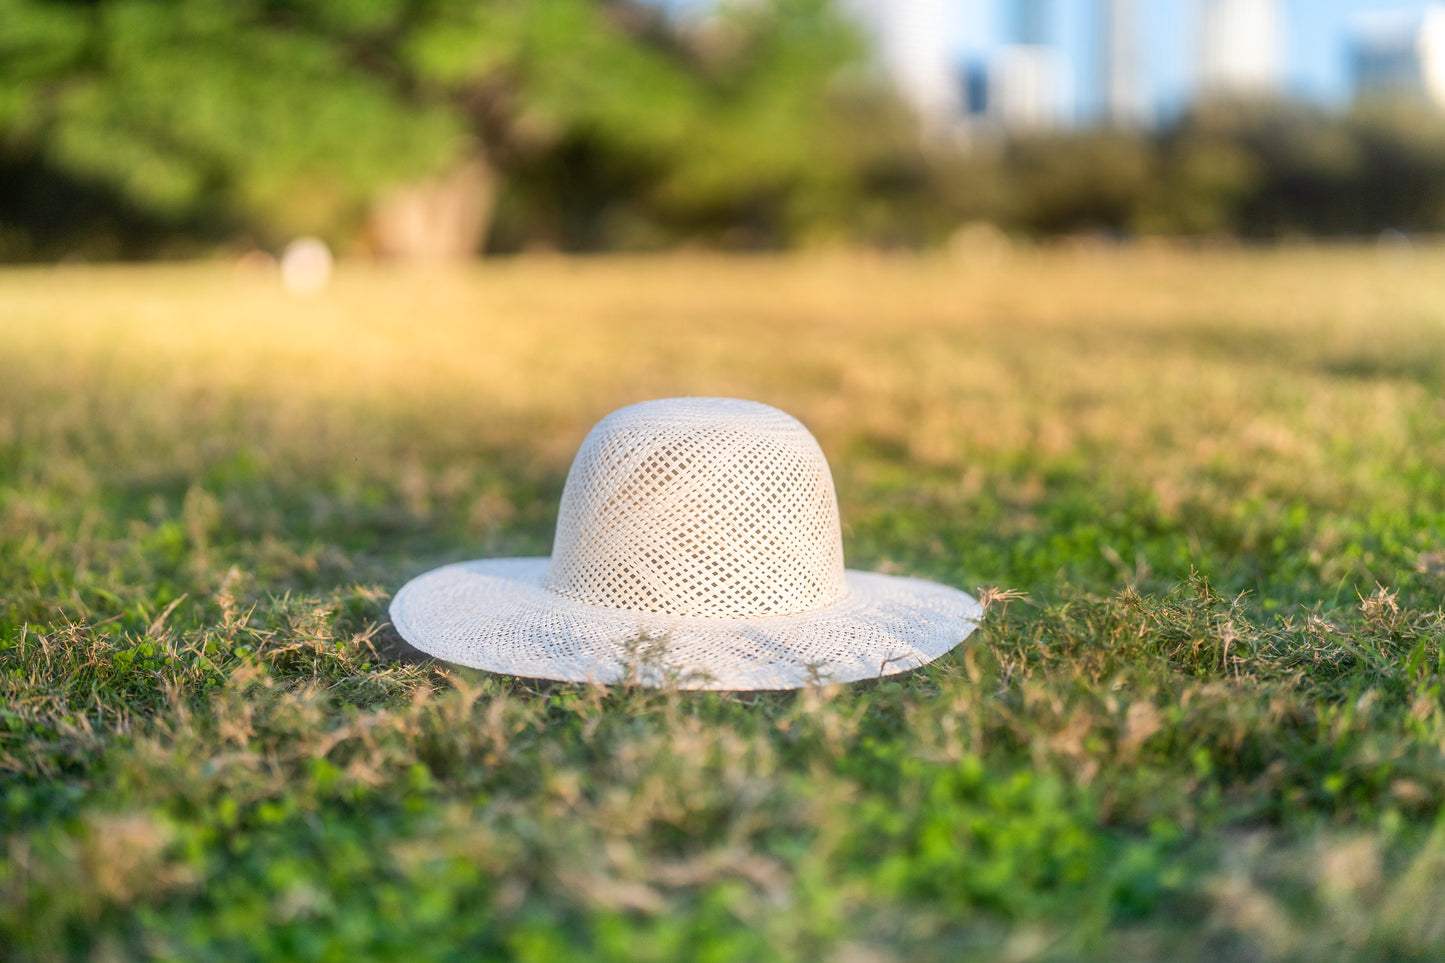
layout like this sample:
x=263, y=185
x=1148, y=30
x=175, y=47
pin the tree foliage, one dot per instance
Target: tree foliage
x=246, y=111
x=1255, y=170
x=608, y=123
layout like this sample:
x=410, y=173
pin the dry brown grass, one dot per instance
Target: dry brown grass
x=1158, y=364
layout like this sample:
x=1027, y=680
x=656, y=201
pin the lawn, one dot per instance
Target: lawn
x=1203, y=720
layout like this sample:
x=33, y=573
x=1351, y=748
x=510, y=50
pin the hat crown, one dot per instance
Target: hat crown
x=707, y=507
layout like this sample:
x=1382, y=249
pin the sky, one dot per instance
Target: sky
x=1316, y=64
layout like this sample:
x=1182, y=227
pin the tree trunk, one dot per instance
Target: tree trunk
x=436, y=220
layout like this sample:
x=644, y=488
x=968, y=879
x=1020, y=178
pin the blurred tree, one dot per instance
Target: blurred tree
x=243, y=111
x=600, y=122
x=1273, y=170
x=1294, y=167
x=1205, y=175
x=1094, y=182
x=741, y=128
x=1401, y=169
x=1253, y=169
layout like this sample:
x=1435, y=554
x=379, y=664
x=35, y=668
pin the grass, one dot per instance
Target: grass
x=1203, y=719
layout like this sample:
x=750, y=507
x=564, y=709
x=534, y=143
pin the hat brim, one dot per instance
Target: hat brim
x=497, y=614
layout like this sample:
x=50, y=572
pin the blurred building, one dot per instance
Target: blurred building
x=1031, y=22
x=916, y=48
x=1126, y=102
x=1240, y=47
x=1020, y=86
x=1023, y=86
x=1400, y=55
x=1026, y=76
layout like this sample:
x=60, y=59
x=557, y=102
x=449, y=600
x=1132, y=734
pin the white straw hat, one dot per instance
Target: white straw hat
x=697, y=545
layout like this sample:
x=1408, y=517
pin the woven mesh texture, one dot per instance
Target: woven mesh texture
x=700, y=506
x=698, y=545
